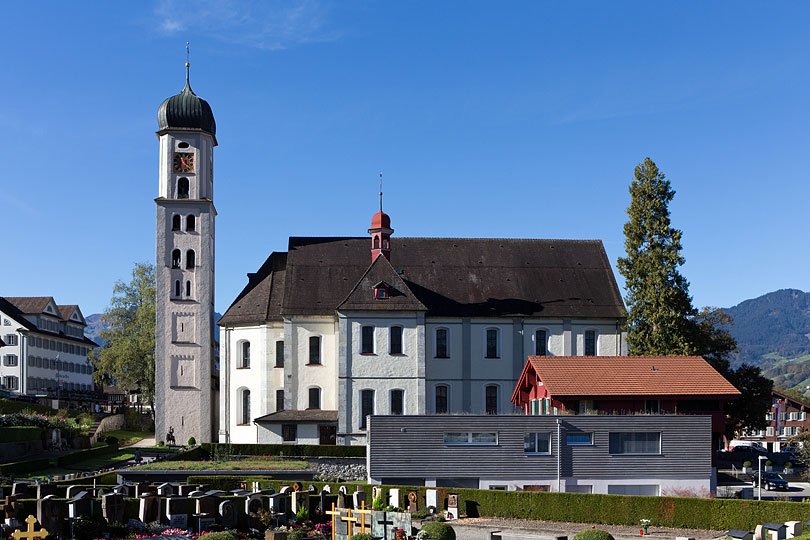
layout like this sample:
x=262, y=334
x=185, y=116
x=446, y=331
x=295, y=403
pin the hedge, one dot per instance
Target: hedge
x=81, y=455
x=24, y=467
x=287, y=450
x=677, y=512
x=21, y=434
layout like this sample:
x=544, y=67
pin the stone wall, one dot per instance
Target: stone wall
x=346, y=469
x=18, y=451
x=108, y=423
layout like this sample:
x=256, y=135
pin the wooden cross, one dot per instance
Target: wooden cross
x=349, y=520
x=362, y=513
x=333, y=514
x=30, y=534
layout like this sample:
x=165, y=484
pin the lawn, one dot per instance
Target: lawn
x=126, y=438
x=234, y=465
x=88, y=465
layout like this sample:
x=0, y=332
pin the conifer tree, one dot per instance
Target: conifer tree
x=660, y=309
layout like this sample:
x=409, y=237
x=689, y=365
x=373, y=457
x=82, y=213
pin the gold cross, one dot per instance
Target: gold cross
x=362, y=513
x=333, y=514
x=349, y=520
x=31, y=533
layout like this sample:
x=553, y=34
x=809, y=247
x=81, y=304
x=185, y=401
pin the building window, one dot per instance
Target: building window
x=381, y=293
x=634, y=443
x=10, y=382
x=397, y=402
x=191, y=223
x=395, y=340
x=245, y=353
x=376, y=242
x=537, y=443
x=540, y=343
x=315, y=350
x=442, y=350
x=177, y=288
x=176, y=222
x=441, y=399
x=579, y=439
x=279, y=400
x=280, y=353
x=289, y=432
x=245, y=420
x=10, y=360
x=769, y=431
x=590, y=342
x=471, y=438
x=491, y=399
x=314, y=398
x=366, y=406
x=176, y=258
x=182, y=188
x=367, y=340
x=188, y=289
x=190, y=259
x=492, y=343
x=652, y=406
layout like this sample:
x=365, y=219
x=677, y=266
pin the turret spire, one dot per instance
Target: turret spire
x=380, y=232
x=188, y=64
x=380, y=192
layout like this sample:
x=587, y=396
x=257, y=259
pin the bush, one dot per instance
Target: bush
x=362, y=536
x=289, y=450
x=788, y=465
x=21, y=433
x=111, y=440
x=441, y=531
x=593, y=534
x=746, y=463
x=768, y=463
x=192, y=441
x=218, y=536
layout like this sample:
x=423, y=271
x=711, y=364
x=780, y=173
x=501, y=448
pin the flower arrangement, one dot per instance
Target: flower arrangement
x=644, y=524
x=400, y=534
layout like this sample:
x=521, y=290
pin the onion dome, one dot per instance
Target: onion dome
x=186, y=110
x=380, y=220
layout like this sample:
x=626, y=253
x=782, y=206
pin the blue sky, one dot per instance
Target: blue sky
x=488, y=119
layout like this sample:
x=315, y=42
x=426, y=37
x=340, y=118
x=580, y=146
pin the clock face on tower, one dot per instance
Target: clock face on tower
x=183, y=162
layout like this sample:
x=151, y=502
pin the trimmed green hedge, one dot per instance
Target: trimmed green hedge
x=102, y=479
x=195, y=454
x=21, y=434
x=227, y=483
x=24, y=467
x=81, y=455
x=287, y=450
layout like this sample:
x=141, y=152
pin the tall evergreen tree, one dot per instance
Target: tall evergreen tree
x=659, y=306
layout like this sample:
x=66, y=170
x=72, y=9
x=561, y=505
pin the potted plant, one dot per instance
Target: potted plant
x=788, y=468
x=267, y=519
x=768, y=465
x=747, y=467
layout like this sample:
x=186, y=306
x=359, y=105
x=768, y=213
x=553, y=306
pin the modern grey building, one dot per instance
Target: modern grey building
x=627, y=455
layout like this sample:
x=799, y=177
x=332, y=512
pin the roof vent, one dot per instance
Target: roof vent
x=400, y=271
x=653, y=369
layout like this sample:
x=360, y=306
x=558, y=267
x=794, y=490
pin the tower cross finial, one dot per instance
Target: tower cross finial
x=380, y=192
x=188, y=64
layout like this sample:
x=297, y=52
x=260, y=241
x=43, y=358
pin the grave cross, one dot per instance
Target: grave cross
x=333, y=514
x=30, y=534
x=349, y=520
x=362, y=511
x=385, y=523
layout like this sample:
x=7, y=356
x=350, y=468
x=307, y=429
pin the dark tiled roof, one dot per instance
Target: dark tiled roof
x=362, y=296
x=260, y=300
x=312, y=415
x=13, y=311
x=30, y=304
x=67, y=311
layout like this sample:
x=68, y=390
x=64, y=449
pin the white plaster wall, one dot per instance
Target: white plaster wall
x=443, y=368
x=554, y=336
x=608, y=343
x=382, y=364
x=271, y=434
x=600, y=485
x=324, y=375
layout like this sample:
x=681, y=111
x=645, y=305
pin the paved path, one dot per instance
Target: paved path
x=143, y=443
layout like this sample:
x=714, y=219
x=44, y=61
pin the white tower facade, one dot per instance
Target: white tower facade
x=185, y=377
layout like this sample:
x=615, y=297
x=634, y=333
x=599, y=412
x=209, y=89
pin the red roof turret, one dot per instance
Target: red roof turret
x=380, y=220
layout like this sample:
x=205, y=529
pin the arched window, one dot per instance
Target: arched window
x=441, y=402
x=376, y=242
x=314, y=350
x=245, y=420
x=191, y=223
x=182, y=188
x=188, y=289
x=590, y=342
x=176, y=222
x=491, y=399
x=492, y=344
x=540, y=343
x=442, y=343
x=190, y=259
x=245, y=355
x=366, y=406
x=395, y=340
x=176, y=258
x=314, y=398
x=397, y=402
x=177, y=288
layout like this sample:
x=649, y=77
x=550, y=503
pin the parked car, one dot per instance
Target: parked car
x=771, y=480
x=745, y=446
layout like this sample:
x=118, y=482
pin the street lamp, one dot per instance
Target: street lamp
x=759, y=475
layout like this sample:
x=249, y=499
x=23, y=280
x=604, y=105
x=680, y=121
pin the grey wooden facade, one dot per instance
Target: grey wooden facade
x=412, y=449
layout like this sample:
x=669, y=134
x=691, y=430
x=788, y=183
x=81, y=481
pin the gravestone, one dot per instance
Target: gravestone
x=299, y=500
x=432, y=498
x=402, y=520
x=776, y=531
x=738, y=534
x=196, y=494
x=43, y=490
x=204, y=487
x=382, y=526
x=322, y=504
x=278, y=504
x=794, y=528
x=452, y=506
x=11, y=508
x=342, y=499
x=227, y=511
x=285, y=489
x=80, y=505
x=413, y=497
x=185, y=490
x=21, y=490
x=112, y=508
x=327, y=488
x=72, y=491
x=177, y=511
x=375, y=492
x=256, y=486
x=359, y=499
x=207, y=511
x=49, y=514
x=253, y=504
x=150, y=508
x=140, y=489
x=122, y=490
x=758, y=532
x=341, y=526
x=393, y=497
x=297, y=486
x=165, y=489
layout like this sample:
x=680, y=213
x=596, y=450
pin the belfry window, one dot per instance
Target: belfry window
x=176, y=258
x=182, y=188
x=190, y=259
x=176, y=222
x=177, y=288
x=191, y=223
x=188, y=289
x=376, y=242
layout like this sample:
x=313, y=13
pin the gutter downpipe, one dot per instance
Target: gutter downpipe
x=559, y=423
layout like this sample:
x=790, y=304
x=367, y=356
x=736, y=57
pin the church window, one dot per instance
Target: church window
x=590, y=342
x=385, y=243
x=395, y=340
x=397, y=402
x=491, y=399
x=314, y=398
x=540, y=343
x=366, y=406
x=245, y=355
x=280, y=353
x=367, y=340
x=442, y=348
x=191, y=223
x=314, y=350
x=190, y=259
x=279, y=400
x=441, y=399
x=182, y=188
x=188, y=289
x=176, y=259
x=176, y=222
x=376, y=242
x=177, y=288
x=492, y=343
x=245, y=419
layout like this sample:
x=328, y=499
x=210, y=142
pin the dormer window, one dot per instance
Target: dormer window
x=381, y=291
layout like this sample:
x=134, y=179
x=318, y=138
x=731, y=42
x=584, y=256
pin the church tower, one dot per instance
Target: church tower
x=184, y=269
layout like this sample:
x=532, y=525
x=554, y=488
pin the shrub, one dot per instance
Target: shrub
x=111, y=439
x=768, y=463
x=788, y=465
x=593, y=534
x=192, y=441
x=362, y=536
x=224, y=535
x=443, y=531
x=290, y=450
x=746, y=463
x=161, y=443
